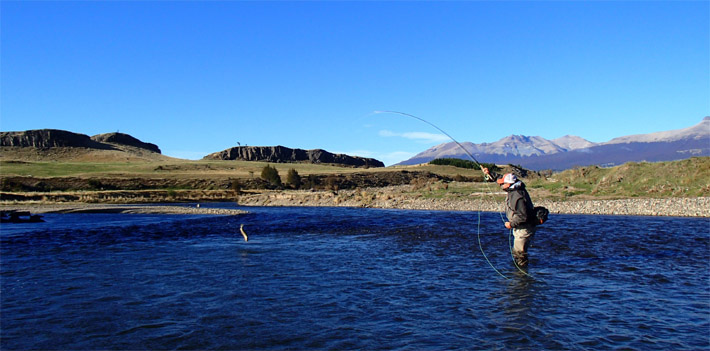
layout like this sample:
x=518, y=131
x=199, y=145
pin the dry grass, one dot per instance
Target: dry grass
x=686, y=178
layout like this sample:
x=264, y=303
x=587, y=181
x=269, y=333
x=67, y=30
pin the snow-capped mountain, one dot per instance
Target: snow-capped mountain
x=538, y=153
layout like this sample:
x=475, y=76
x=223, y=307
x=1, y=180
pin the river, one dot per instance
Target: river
x=351, y=278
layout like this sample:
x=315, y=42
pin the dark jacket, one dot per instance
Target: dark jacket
x=518, y=205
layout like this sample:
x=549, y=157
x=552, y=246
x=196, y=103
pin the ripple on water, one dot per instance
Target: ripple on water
x=332, y=278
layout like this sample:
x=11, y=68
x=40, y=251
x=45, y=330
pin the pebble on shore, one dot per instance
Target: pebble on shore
x=397, y=198
x=101, y=208
x=376, y=198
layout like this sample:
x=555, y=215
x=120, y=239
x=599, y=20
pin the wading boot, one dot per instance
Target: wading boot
x=521, y=260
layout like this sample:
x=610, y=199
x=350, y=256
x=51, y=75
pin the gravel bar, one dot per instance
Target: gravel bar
x=376, y=198
x=102, y=208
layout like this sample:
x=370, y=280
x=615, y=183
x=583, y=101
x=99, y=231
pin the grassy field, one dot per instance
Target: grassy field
x=686, y=178
x=201, y=168
x=186, y=168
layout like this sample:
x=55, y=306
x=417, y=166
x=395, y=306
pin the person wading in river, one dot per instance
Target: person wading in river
x=519, y=210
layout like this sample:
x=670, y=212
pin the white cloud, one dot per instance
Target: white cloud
x=422, y=137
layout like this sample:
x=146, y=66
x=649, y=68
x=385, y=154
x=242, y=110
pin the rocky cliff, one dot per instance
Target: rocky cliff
x=51, y=138
x=47, y=138
x=281, y=154
x=125, y=139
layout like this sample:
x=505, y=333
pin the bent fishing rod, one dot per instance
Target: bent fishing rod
x=439, y=129
x=472, y=159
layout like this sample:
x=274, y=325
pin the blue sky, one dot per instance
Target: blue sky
x=200, y=77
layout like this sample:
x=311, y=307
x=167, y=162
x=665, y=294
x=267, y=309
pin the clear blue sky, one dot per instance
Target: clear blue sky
x=200, y=77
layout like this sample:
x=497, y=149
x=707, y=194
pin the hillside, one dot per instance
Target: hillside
x=203, y=179
x=65, y=146
x=61, y=145
x=684, y=178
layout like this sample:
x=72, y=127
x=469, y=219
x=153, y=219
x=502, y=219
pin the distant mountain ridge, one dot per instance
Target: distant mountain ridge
x=538, y=153
x=53, y=144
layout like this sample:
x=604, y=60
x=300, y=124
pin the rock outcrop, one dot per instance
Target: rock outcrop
x=281, y=154
x=125, y=139
x=48, y=138
x=51, y=138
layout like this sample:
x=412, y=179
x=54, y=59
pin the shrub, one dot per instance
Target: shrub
x=311, y=182
x=95, y=184
x=271, y=175
x=460, y=178
x=331, y=183
x=457, y=162
x=293, y=179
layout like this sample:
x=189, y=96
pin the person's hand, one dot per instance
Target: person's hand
x=507, y=225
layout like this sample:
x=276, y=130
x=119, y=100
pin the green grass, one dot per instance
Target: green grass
x=64, y=169
x=686, y=178
x=241, y=169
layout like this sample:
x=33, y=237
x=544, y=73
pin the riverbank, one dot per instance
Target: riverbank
x=400, y=198
x=41, y=208
x=393, y=197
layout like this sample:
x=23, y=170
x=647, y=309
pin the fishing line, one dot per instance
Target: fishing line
x=478, y=234
x=510, y=245
x=439, y=129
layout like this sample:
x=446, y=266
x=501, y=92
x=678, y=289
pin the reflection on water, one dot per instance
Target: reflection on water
x=353, y=279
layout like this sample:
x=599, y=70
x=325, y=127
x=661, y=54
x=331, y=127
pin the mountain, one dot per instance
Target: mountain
x=698, y=132
x=538, y=153
x=572, y=142
x=281, y=154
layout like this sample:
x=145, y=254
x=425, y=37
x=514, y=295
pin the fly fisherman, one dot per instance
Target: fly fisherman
x=519, y=210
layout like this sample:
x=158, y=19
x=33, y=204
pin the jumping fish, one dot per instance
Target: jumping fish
x=241, y=229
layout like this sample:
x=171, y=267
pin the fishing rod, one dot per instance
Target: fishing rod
x=478, y=234
x=441, y=130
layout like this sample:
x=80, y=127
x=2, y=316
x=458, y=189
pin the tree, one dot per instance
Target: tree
x=293, y=179
x=271, y=175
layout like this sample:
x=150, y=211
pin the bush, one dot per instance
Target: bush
x=95, y=184
x=271, y=175
x=293, y=179
x=311, y=182
x=457, y=162
x=331, y=183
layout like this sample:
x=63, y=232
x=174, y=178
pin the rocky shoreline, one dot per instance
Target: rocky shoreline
x=376, y=198
x=394, y=197
x=120, y=208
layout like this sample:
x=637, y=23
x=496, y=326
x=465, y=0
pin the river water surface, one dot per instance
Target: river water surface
x=343, y=278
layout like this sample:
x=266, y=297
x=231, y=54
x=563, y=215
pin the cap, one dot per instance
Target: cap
x=509, y=178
